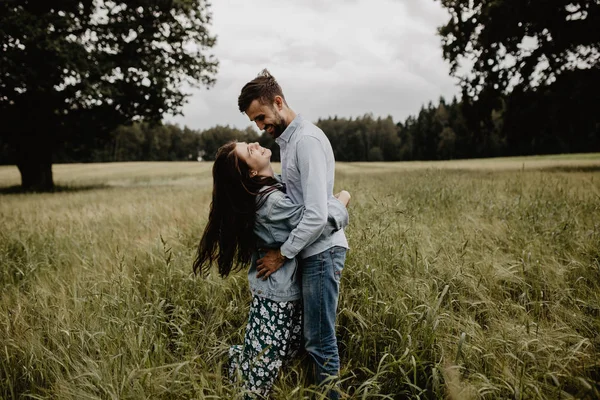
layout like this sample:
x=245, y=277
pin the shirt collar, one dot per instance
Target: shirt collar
x=289, y=131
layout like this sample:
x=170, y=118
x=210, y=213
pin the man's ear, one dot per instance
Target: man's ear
x=279, y=103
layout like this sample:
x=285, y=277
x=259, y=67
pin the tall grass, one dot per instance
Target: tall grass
x=461, y=283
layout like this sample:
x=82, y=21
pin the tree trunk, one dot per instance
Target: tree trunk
x=35, y=166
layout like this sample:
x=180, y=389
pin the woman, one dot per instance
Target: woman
x=249, y=211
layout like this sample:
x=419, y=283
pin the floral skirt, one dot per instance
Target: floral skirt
x=273, y=338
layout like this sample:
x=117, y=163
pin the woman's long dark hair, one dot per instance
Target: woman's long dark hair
x=228, y=235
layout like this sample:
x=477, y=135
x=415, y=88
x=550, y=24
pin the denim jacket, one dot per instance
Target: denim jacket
x=275, y=219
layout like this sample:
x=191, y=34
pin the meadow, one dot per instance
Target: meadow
x=473, y=279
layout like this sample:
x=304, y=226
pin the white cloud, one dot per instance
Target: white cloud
x=343, y=57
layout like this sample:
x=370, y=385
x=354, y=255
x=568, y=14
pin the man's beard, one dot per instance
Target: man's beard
x=278, y=128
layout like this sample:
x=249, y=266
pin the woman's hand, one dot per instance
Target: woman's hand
x=343, y=197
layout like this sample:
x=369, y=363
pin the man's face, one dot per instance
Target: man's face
x=267, y=118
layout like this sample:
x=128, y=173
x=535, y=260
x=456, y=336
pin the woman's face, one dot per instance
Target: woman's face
x=257, y=157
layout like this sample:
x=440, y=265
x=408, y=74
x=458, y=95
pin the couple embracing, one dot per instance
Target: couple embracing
x=289, y=230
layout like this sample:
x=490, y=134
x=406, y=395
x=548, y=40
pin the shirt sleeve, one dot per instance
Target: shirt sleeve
x=312, y=164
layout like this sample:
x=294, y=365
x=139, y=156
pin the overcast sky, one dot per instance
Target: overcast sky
x=335, y=57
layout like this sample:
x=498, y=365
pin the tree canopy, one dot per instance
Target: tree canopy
x=529, y=70
x=519, y=43
x=76, y=69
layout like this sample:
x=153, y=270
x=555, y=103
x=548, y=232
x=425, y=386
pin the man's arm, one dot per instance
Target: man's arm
x=312, y=164
x=337, y=219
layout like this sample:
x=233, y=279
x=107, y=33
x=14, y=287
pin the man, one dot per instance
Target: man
x=307, y=170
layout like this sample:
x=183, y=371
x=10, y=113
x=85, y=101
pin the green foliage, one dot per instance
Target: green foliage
x=529, y=72
x=214, y=138
x=354, y=139
x=375, y=154
x=524, y=41
x=77, y=69
x=143, y=141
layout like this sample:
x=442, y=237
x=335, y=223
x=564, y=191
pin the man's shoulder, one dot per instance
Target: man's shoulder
x=308, y=129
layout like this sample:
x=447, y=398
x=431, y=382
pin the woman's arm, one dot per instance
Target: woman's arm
x=283, y=213
x=343, y=197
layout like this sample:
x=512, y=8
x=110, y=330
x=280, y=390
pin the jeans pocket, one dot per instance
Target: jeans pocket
x=338, y=257
x=337, y=273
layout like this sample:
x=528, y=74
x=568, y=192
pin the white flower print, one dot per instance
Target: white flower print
x=272, y=339
x=263, y=312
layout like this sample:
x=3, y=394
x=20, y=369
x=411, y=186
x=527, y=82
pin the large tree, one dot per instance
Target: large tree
x=523, y=43
x=76, y=69
x=530, y=72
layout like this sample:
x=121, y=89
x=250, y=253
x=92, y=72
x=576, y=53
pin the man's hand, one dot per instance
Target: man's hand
x=270, y=263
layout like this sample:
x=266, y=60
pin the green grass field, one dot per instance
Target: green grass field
x=471, y=279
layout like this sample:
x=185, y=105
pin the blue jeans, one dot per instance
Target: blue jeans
x=321, y=275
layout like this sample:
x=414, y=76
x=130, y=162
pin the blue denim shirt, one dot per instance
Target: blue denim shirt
x=275, y=219
x=307, y=170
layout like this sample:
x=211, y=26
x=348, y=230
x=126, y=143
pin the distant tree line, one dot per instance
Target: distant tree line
x=561, y=119
x=144, y=141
